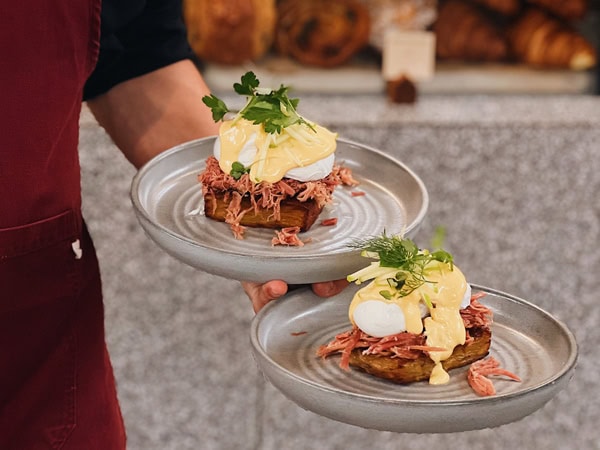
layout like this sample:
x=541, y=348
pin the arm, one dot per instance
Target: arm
x=153, y=112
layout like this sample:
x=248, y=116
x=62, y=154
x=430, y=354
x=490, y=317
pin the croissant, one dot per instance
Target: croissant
x=541, y=40
x=230, y=31
x=324, y=33
x=504, y=7
x=463, y=32
x=566, y=9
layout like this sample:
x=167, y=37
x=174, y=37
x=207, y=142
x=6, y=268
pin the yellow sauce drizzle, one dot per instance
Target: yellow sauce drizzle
x=296, y=146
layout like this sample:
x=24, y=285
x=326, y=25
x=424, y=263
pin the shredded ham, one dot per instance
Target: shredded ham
x=287, y=236
x=402, y=345
x=268, y=196
x=234, y=215
x=480, y=370
x=357, y=194
x=410, y=346
x=345, y=174
x=329, y=222
x=476, y=315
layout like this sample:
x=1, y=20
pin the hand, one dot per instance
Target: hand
x=261, y=294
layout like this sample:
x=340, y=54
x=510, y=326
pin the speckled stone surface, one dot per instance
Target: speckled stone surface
x=515, y=182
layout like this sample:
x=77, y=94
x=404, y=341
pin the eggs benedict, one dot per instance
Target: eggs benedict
x=271, y=167
x=416, y=318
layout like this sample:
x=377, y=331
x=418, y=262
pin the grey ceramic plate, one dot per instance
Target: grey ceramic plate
x=167, y=197
x=525, y=339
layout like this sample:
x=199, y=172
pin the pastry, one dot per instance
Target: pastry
x=230, y=31
x=503, y=7
x=464, y=33
x=539, y=39
x=323, y=33
x=565, y=9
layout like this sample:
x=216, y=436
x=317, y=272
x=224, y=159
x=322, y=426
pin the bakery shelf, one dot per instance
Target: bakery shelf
x=363, y=77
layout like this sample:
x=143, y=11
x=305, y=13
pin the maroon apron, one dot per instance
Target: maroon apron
x=57, y=388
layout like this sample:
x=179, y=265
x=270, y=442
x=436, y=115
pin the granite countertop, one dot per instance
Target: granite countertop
x=513, y=179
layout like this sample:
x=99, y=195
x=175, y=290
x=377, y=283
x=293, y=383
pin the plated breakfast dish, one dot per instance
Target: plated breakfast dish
x=271, y=167
x=526, y=340
x=416, y=319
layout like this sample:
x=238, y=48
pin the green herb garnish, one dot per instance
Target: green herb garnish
x=238, y=169
x=400, y=262
x=271, y=108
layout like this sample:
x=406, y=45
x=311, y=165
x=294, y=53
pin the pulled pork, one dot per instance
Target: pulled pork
x=268, y=196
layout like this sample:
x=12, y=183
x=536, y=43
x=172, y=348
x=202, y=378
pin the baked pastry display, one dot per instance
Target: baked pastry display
x=465, y=33
x=539, y=39
x=271, y=167
x=321, y=33
x=230, y=31
x=416, y=319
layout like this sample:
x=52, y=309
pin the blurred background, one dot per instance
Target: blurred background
x=492, y=46
x=504, y=133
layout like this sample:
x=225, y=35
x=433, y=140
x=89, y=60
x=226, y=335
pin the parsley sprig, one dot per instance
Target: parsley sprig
x=238, y=169
x=271, y=108
x=400, y=262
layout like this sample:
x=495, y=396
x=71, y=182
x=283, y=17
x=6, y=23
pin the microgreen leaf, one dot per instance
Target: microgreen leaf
x=404, y=255
x=238, y=169
x=248, y=85
x=386, y=294
x=271, y=108
x=218, y=106
x=437, y=241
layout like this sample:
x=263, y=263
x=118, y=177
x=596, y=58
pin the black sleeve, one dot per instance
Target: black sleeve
x=137, y=37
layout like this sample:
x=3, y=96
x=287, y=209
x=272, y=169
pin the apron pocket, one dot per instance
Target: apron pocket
x=40, y=277
x=38, y=263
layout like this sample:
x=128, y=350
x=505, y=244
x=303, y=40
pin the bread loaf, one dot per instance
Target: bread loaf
x=230, y=31
x=464, y=33
x=565, y=9
x=323, y=33
x=503, y=7
x=541, y=40
x=293, y=213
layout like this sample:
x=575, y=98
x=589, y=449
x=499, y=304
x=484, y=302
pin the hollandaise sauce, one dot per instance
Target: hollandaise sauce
x=274, y=153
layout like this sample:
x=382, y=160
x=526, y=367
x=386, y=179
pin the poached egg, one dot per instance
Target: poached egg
x=299, y=152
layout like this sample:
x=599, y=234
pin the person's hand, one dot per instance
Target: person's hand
x=261, y=294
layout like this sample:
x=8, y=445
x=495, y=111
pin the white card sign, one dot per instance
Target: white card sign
x=408, y=53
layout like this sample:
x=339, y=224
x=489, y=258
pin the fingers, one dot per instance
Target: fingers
x=261, y=294
x=329, y=288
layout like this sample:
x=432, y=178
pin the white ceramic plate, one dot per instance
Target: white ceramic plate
x=167, y=197
x=526, y=340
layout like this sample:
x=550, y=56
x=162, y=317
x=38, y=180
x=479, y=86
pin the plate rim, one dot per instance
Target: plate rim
x=567, y=368
x=142, y=213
